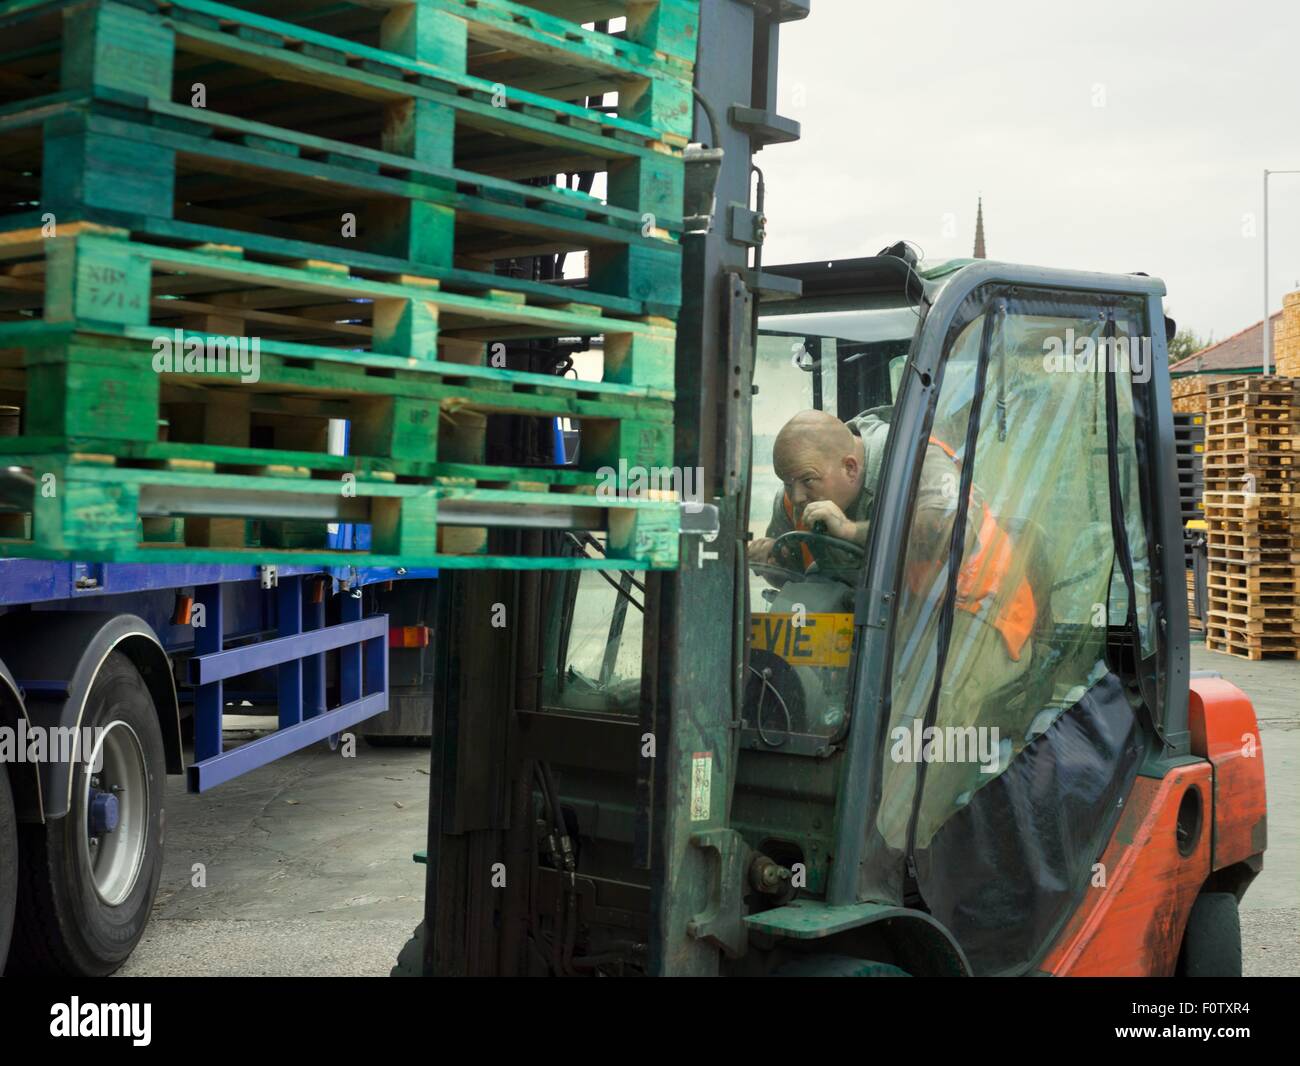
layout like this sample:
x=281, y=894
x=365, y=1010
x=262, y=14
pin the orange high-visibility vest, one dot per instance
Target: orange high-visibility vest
x=985, y=573
x=789, y=513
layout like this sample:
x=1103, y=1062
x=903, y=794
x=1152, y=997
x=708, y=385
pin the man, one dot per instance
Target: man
x=831, y=472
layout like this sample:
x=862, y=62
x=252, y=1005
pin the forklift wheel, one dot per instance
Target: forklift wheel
x=839, y=966
x=8, y=864
x=1212, y=940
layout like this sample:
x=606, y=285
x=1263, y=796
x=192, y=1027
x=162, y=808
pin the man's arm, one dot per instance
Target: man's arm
x=760, y=549
x=836, y=522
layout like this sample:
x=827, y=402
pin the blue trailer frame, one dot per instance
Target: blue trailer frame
x=241, y=605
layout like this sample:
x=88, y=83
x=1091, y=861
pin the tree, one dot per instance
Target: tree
x=1186, y=343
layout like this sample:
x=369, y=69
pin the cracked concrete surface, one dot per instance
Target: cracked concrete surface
x=308, y=868
x=302, y=867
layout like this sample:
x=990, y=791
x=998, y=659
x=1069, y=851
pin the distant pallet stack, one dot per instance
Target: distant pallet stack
x=1189, y=439
x=1286, y=342
x=1252, y=488
x=361, y=193
x=1194, y=622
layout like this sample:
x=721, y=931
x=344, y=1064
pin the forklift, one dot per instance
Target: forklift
x=969, y=745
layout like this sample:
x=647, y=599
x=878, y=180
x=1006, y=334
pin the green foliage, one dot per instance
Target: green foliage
x=1185, y=343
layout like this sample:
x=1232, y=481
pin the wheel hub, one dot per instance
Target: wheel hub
x=104, y=813
x=117, y=812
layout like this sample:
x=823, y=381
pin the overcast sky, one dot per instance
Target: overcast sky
x=1113, y=136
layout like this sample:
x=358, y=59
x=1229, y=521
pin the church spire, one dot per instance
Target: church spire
x=979, y=231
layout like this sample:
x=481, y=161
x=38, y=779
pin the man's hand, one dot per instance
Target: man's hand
x=760, y=550
x=837, y=524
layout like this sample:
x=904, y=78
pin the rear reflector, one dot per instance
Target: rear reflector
x=408, y=637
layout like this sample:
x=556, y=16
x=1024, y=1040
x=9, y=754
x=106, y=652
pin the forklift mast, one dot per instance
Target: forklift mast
x=645, y=772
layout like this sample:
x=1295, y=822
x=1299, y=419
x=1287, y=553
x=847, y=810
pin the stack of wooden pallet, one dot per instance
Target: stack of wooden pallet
x=1189, y=440
x=1252, y=488
x=1286, y=342
x=230, y=227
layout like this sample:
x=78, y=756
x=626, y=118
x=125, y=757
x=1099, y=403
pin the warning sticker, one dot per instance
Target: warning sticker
x=820, y=639
x=701, y=785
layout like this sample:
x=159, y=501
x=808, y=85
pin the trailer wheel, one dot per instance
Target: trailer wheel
x=88, y=879
x=1212, y=940
x=8, y=864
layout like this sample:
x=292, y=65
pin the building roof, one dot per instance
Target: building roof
x=1241, y=351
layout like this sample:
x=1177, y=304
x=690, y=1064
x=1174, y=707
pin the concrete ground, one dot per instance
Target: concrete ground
x=300, y=868
x=304, y=866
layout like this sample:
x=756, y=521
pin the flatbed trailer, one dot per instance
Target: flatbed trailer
x=131, y=663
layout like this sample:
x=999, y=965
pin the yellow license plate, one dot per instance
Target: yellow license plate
x=819, y=639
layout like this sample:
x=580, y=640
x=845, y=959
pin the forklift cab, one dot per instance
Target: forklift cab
x=841, y=348
x=983, y=687
x=964, y=743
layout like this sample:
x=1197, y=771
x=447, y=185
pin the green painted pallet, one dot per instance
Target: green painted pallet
x=153, y=48
x=404, y=112
x=521, y=45
x=662, y=29
x=92, y=509
x=91, y=277
x=188, y=399
x=164, y=173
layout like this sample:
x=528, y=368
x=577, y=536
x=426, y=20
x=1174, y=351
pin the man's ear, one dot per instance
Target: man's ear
x=852, y=468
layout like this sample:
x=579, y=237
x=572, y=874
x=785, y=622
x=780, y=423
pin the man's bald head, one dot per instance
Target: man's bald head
x=814, y=429
x=818, y=457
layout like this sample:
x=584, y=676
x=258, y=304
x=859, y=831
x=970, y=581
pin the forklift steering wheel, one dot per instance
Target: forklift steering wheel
x=796, y=537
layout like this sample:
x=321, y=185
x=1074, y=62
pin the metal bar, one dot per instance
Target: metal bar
x=1268, y=346
x=523, y=516
x=1268, y=313
x=350, y=657
x=209, y=698
x=375, y=664
x=40, y=580
x=313, y=666
x=223, y=664
x=289, y=596
x=213, y=771
x=169, y=500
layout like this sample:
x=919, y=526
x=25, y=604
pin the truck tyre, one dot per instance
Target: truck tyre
x=1212, y=940
x=88, y=879
x=8, y=864
x=838, y=966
